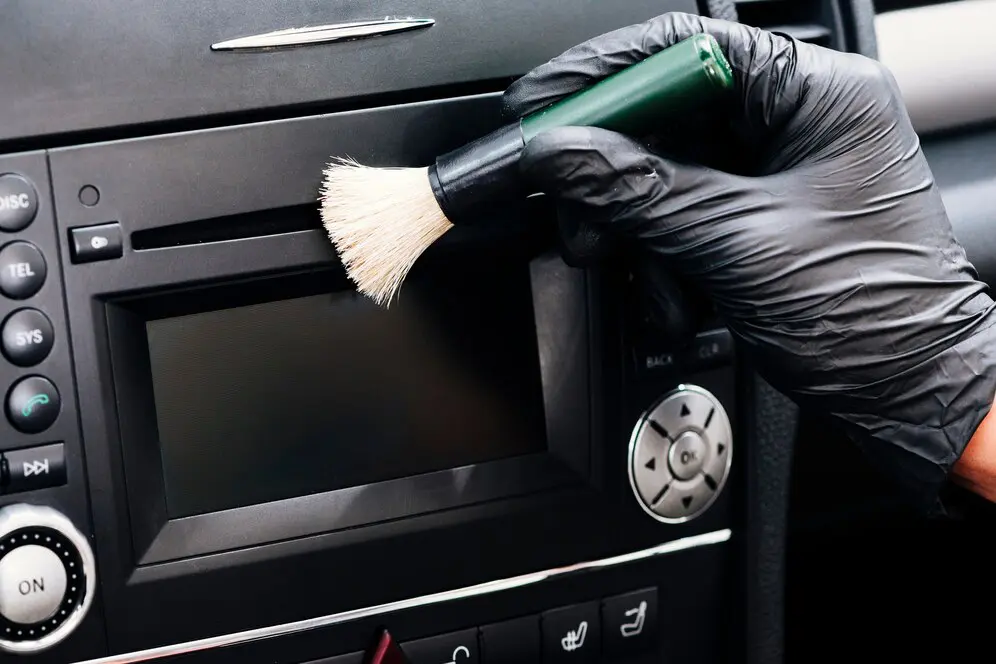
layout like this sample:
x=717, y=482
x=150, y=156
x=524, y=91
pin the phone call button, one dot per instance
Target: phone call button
x=33, y=404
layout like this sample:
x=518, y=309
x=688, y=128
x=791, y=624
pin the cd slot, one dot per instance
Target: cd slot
x=519, y=228
x=230, y=227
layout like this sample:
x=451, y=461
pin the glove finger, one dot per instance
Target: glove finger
x=764, y=66
x=583, y=241
x=621, y=182
x=667, y=305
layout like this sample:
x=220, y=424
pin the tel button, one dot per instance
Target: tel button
x=18, y=203
x=22, y=270
x=33, y=404
x=27, y=337
x=35, y=468
x=32, y=584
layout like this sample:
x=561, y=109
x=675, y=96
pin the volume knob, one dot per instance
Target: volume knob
x=47, y=578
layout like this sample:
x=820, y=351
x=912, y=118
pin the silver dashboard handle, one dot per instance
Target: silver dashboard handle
x=322, y=34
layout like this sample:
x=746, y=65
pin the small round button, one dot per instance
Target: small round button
x=89, y=195
x=33, y=404
x=687, y=455
x=18, y=202
x=22, y=270
x=32, y=584
x=27, y=337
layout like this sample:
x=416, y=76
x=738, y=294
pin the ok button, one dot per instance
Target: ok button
x=32, y=584
x=687, y=455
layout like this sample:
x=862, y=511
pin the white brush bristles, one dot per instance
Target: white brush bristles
x=380, y=221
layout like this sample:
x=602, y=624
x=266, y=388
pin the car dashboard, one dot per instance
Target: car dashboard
x=213, y=450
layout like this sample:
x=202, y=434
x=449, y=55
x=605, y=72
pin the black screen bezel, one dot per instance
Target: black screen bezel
x=158, y=538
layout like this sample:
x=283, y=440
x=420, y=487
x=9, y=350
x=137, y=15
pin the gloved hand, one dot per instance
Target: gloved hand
x=823, y=243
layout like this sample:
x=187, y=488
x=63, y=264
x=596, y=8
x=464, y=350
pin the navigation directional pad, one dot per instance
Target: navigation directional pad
x=680, y=454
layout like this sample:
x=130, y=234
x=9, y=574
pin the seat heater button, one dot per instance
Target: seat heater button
x=32, y=584
x=572, y=634
x=629, y=623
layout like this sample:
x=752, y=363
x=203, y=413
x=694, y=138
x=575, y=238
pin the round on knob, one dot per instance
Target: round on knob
x=47, y=578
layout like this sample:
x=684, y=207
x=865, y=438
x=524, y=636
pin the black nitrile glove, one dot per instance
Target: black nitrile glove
x=828, y=252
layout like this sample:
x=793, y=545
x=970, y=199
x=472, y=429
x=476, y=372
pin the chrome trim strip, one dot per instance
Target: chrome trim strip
x=684, y=544
x=322, y=34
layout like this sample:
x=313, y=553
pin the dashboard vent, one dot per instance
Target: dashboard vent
x=816, y=22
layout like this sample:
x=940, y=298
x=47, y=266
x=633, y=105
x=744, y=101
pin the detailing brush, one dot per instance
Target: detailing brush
x=382, y=219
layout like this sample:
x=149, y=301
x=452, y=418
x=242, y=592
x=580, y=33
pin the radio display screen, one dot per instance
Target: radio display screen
x=290, y=397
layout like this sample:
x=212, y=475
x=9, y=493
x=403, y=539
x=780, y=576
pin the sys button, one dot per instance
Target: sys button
x=96, y=243
x=35, y=468
x=27, y=337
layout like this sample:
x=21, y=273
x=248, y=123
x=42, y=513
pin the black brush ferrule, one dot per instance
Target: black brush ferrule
x=471, y=179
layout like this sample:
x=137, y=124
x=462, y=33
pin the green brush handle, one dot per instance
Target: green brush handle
x=631, y=100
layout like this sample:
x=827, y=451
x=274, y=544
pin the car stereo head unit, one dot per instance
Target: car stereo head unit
x=215, y=451
x=251, y=448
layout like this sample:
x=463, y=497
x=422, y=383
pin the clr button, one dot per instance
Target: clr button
x=96, y=243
